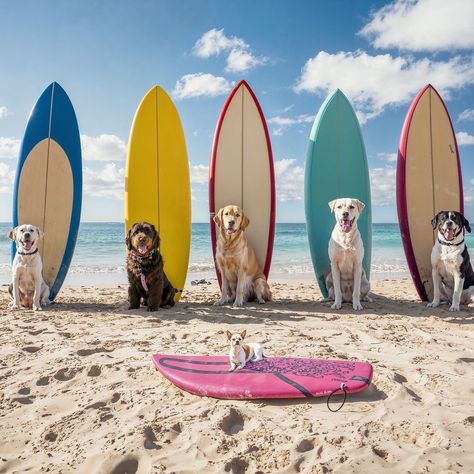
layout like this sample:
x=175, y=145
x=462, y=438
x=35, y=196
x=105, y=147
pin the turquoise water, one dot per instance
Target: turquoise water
x=99, y=257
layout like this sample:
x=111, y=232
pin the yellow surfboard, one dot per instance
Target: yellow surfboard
x=157, y=187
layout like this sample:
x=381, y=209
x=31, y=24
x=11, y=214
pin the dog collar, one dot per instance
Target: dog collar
x=140, y=258
x=23, y=253
x=448, y=244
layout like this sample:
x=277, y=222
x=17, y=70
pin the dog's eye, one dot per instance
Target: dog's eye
x=22, y=230
x=339, y=207
x=237, y=215
x=351, y=207
x=226, y=214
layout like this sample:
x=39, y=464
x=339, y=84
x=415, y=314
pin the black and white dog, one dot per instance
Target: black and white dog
x=453, y=277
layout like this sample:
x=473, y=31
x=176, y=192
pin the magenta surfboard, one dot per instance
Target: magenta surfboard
x=273, y=377
x=241, y=171
x=429, y=180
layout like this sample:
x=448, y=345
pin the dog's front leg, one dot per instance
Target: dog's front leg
x=133, y=298
x=224, y=299
x=37, y=294
x=356, y=291
x=239, y=292
x=154, y=298
x=16, y=291
x=458, y=286
x=436, y=289
x=336, y=277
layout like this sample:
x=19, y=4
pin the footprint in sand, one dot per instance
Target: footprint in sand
x=43, y=381
x=94, y=371
x=232, y=423
x=150, y=439
x=87, y=352
x=31, y=349
x=304, y=446
x=129, y=465
x=236, y=466
x=65, y=374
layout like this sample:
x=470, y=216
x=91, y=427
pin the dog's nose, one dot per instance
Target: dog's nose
x=231, y=223
x=345, y=215
x=449, y=224
x=26, y=235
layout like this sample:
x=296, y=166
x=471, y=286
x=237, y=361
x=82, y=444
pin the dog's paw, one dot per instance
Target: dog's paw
x=336, y=305
x=433, y=304
x=261, y=301
x=357, y=306
x=454, y=307
x=220, y=303
x=151, y=309
x=14, y=306
x=46, y=302
x=238, y=304
x=37, y=308
x=368, y=299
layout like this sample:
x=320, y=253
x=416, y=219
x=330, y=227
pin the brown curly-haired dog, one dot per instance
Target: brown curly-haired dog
x=146, y=278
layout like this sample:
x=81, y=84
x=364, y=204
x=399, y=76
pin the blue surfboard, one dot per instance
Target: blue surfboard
x=336, y=167
x=48, y=183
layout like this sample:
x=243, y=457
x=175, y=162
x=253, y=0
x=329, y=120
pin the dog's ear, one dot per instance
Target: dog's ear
x=218, y=217
x=434, y=221
x=128, y=238
x=360, y=205
x=243, y=333
x=12, y=234
x=40, y=233
x=245, y=221
x=466, y=224
x=229, y=335
x=332, y=204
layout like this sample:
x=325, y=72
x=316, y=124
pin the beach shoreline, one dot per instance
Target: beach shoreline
x=78, y=391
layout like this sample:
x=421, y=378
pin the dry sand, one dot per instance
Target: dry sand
x=78, y=392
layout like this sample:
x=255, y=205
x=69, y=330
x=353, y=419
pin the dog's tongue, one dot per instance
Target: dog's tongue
x=27, y=244
x=142, y=248
x=346, y=225
x=449, y=234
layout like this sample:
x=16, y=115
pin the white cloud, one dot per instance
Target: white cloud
x=282, y=123
x=199, y=174
x=214, y=42
x=4, y=112
x=103, y=148
x=289, y=180
x=200, y=85
x=382, y=185
x=242, y=60
x=373, y=83
x=106, y=182
x=9, y=148
x=239, y=58
x=6, y=179
x=388, y=157
x=463, y=138
x=422, y=25
x=467, y=115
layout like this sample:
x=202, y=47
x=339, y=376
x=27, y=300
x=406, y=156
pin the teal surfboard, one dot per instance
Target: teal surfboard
x=336, y=167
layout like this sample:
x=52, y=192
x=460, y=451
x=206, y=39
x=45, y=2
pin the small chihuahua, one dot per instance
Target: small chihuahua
x=240, y=353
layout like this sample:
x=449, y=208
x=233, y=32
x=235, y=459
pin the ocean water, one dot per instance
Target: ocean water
x=99, y=258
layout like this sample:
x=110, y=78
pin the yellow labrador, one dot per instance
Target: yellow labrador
x=242, y=277
x=347, y=280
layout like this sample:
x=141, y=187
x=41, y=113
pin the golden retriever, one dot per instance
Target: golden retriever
x=242, y=277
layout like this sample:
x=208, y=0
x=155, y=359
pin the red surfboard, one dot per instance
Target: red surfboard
x=272, y=377
x=241, y=171
x=428, y=181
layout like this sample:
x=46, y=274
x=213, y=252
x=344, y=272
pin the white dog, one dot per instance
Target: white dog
x=347, y=280
x=453, y=276
x=241, y=353
x=28, y=288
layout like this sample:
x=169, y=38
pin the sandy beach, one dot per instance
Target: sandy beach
x=78, y=392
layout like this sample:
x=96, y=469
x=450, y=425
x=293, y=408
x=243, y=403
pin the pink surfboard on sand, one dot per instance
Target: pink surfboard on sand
x=273, y=377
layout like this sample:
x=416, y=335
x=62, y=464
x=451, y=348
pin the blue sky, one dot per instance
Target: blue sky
x=107, y=54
